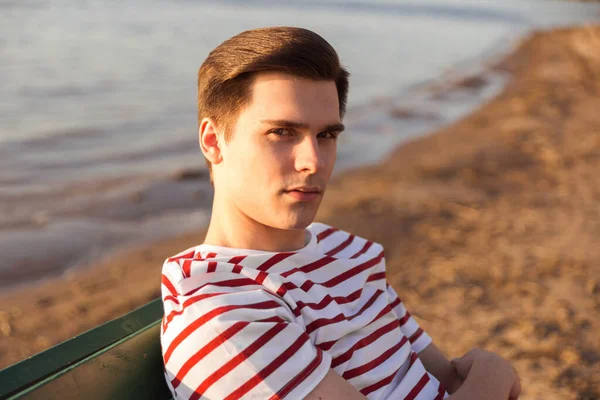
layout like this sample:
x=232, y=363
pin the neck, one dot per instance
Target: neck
x=231, y=228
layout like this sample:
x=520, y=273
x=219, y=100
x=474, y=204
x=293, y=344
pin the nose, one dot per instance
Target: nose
x=307, y=155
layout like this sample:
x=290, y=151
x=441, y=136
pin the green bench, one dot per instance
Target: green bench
x=118, y=360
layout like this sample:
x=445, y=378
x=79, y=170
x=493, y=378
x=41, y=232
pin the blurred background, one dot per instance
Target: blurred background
x=99, y=155
x=98, y=131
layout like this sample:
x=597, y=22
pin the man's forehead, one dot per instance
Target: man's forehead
x=278, y=85
x=277, y=96
x=277, y=76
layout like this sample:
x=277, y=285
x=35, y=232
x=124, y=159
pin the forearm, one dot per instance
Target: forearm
x=436, y=363
x=452, y=383
x=447, y=377
x=480, y=386
x=486, y=376
x=491, y=377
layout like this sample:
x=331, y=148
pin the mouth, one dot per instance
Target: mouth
x=304, y=193
x=305, y=189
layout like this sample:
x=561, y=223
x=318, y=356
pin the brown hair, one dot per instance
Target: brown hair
x=225, y=78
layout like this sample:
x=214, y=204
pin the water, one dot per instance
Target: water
x=97, y=107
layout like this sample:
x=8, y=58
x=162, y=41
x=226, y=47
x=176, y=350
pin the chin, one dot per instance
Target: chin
x=300, y=224
x=291, y=216
x=296, y=221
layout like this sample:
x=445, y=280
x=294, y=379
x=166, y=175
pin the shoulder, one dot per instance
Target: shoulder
x=342, y=244
x=203, y=269
x=173, y=266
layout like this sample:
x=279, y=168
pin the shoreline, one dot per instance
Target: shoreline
x=84, y=222
x=488, y=225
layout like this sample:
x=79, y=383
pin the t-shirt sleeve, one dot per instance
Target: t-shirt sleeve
x=239, y=345
x=419, y=340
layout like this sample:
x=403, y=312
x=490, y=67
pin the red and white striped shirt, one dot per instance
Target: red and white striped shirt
x=264, y=325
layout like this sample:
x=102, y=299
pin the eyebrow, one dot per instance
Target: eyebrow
x=339, y=127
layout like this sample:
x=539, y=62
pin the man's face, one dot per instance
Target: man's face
x=282, y=151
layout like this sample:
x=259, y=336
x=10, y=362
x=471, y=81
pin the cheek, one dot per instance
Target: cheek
x=240, y=160
x=329, y=154
x=262, y=163
x=273, y=158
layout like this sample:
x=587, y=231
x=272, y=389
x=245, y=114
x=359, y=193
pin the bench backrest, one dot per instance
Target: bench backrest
x=120, y=359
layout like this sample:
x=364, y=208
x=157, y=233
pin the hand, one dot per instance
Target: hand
x=463, y=365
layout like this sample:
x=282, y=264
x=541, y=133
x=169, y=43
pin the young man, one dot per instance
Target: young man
x=273, y=305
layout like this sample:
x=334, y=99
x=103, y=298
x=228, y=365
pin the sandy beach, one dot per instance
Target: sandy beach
x=490, y=227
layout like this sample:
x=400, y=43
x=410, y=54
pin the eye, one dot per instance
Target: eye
x=328, y=135
x=281, y=132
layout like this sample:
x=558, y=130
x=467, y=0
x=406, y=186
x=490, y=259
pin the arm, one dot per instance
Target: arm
x=486, y=375
x=437, y=364
x=491, y=378
x=334, y=387
x=432, y=358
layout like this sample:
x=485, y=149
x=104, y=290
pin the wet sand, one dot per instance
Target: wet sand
x=490, y=226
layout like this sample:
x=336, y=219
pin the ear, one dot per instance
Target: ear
x=208, y=136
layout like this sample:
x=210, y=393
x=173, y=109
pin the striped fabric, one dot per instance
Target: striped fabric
x=263, y=325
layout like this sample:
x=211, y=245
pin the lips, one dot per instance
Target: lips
x=304, y=193
x=306, y=189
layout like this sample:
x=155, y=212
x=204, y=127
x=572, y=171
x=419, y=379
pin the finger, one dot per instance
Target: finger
x=462, y=368
x=468, y=355
x=462, y=365
x=472, y=353
x=515, y=390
